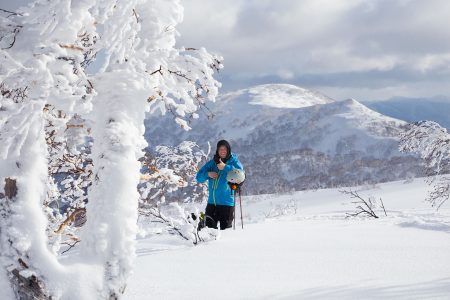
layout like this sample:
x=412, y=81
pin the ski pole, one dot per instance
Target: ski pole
x=234, y=212
x=240, y=205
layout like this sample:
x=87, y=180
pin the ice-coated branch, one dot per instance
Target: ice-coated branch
x=154, y=212
x=287, y=208
x=169, y=174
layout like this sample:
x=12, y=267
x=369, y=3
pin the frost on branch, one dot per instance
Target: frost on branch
x=188, y=85
x=168, y=184
x=282, y=209
x=70, y=174
x=169, y=174
x=432, y=143
x=176, y=219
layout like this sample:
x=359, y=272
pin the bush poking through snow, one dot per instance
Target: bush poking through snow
x=167, y=182
x=365, y=207
x=284, y=209
x=177, y=220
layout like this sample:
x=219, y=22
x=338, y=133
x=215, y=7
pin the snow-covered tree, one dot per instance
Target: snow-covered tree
x=432, y=143
x=143, y=70
x=42, y=57
x=169, y=174
x=46, y=48
x=168, y=187
x=177, y=219
x=70, y=174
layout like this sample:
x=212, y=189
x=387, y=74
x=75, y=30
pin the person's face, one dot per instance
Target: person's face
x=223, y=151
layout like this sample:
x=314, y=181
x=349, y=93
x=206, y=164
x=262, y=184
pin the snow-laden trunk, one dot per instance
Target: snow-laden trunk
x=142, y=69
x=41, y=66
x=109, y=234
x=24, y=170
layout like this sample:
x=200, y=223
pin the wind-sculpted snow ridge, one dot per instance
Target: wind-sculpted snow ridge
x=303, y=140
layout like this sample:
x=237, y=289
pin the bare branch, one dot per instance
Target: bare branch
x=157, y=71
x=71, y=46
x=136, y=15
x=364, y=207
x=180, y=74
x=70, y=246
x=70, y=219
x=11, y=13
x=382, y=206
x=14, y=34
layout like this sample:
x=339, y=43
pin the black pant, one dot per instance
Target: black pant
x=219, y=213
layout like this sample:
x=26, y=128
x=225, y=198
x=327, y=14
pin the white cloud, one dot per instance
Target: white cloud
x=432, y=62
x=321, y=37
x=357, y=46
x=285, y=74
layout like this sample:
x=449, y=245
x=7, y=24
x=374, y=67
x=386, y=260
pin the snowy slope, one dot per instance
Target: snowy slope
x=315, y=253
x=336, y=128
x=279, y=95
x=236, y=114
x=297, y=138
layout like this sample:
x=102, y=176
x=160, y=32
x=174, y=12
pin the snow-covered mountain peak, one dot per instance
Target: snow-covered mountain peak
x=356, y=108
x=279, y=96
x=351, y=101
x=317, y=141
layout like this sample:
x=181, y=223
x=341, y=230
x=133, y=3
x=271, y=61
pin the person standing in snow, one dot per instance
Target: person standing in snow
x=220, y=207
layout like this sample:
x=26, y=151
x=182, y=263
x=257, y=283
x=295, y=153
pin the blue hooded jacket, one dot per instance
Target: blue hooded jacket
x=219, y=190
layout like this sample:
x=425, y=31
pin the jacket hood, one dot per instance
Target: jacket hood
x=216, y=155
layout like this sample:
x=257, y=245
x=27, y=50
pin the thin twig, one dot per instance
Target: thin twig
x=157, y=71
x=382, y=205
x=70, y=246
x=10, y=12
x=135, y=14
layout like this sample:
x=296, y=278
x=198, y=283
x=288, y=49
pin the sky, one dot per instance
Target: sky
x=362, y=49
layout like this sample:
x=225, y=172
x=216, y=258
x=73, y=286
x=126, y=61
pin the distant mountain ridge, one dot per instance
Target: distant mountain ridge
x=415, y=109
x=290, y=138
